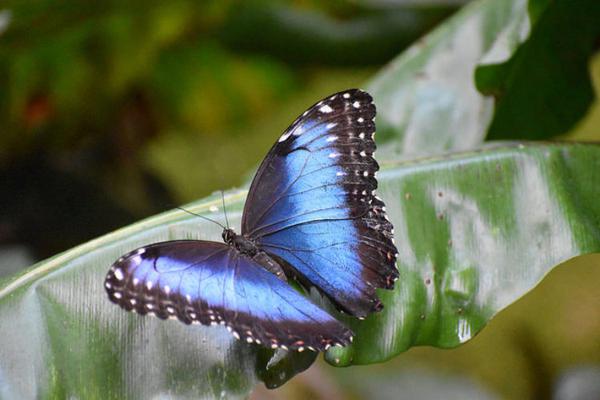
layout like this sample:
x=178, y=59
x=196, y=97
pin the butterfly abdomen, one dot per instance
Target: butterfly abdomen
x=268, y=263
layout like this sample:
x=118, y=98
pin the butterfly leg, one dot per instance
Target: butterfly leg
x=270, y=265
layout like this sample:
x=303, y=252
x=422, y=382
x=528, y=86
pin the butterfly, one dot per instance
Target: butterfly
x=311, y=215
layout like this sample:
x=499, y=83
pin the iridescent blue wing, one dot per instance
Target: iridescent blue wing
x=211, y=283
x=312, y=204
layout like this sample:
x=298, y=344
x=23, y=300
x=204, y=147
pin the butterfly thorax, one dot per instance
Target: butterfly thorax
x=242, y=244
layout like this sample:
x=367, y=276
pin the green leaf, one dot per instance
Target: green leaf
x=495, y=70
x=426, y=99
x=475, y=232
x=60, y=337
x=276, y=369
x=545, y=87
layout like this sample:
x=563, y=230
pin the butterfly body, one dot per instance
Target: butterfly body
x=247, y=247
x=239, y=242
x=311, y=214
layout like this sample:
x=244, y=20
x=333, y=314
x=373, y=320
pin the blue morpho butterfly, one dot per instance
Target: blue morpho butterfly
x=311, y=215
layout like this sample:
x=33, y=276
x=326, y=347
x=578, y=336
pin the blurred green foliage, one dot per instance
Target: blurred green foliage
x=150, y=104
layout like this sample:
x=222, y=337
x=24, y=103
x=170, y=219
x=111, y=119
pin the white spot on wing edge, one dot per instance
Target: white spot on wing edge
x=326, y=109
x=346, y=95
x=136, y=260
x=284, y=137
x=119, y=274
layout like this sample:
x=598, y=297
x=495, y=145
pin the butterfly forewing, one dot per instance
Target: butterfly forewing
x=212, y=283
x=313, y=205
x=325, y=156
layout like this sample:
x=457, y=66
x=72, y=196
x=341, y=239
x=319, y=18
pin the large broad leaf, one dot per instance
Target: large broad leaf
x=498, y=69
x=545, y=87
x=475, y=231
x=60, y=338
x=426, y=99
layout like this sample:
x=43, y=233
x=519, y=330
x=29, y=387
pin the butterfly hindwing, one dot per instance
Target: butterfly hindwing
x=213, y=283
x=312, y=204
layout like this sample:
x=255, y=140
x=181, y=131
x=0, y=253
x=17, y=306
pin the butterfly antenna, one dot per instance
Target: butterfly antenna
x=224, y=210
x=201, y=216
